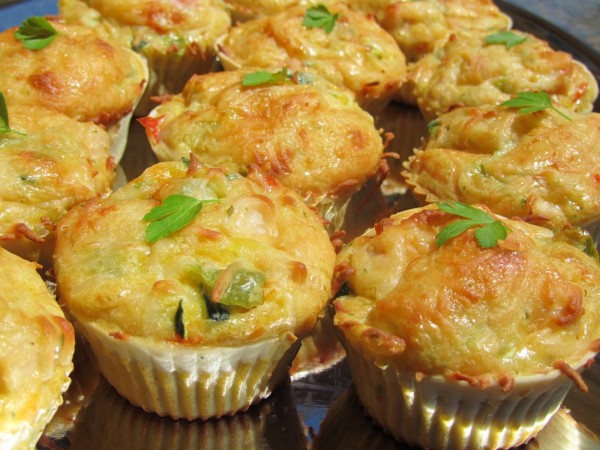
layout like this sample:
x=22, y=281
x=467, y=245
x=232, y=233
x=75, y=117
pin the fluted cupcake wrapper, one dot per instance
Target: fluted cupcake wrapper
x=439, y=413
x=119, y=132
x=190, y=382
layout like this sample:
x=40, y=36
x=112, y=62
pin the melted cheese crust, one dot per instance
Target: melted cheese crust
x=312, y=137
x=36, y=351
x=154, y=26
x=467, y=72
x=109, y=275
x=358, y=54
x=243, y=10
x=536, y=166
x=421, y=27
x=78, y=74
x=513, y=309
x=57, y=163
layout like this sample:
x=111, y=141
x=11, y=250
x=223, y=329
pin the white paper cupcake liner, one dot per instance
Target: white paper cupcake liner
x=119, y=131
x=439, y=413
x=118, y=137
x=191, y=382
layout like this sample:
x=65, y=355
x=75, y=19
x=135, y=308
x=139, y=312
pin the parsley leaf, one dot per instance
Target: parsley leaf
x=320, y=17
x=175, y=212
x=530, y=102
x=488, y=234
x=35, y=33
x=506, y=38
x=4, y=125
x=265, y=77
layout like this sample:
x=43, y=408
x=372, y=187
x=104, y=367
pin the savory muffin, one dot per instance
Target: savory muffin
x=176, y=38
x=244, y=10
x=78, y=74
x=480, y=321
x=478, y=68
x=343, y=46
x=35, y=355
x=49, y=162
x=301, y=130
x=421, y=27
x=194, y=285
x=541, y=166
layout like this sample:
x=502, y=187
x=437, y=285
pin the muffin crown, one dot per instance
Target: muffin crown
x=253, y=262
x=458, y=309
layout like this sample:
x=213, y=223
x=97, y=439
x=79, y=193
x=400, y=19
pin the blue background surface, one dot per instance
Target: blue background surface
x=14, y=13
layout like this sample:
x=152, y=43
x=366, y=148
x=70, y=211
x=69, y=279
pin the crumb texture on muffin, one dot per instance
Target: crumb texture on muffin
x=108, y=273
x=457, y=309
x=35, y=355
x=467, y=71
x=56, y=163
x=537, y=166
x=357, y=54
x=68, y=74
x=311, y=136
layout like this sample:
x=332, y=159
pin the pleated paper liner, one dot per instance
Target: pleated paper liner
x=346, y=426
x=435, y=412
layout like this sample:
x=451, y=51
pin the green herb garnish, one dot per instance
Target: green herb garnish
x=35, y=33
x=175, y=212
x=506, y=38
x=320, y=17
x=178, y=319
x=4, y=125
x=489, y=233
x=530, y=102
x=265, y=77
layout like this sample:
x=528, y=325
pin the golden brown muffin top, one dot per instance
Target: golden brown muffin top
x=467, y=71
x=421, y=27
x=35, y=355
x=243, y=10
x=49, y=164
x=153, y=26
x=254, y=263
x=310, y=135
x=357, y=53
x=79, y=74
x=539, y=166
x=524, y=306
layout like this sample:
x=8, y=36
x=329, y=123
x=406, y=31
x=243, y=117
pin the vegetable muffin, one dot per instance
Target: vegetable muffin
x=175, y=37
x=452, y=327
x=343, y=46
x=421, y=27
x=76, y=73
x=35, y=356
x=244, y=10
x=194, y=285
x=542, y=166
x=49, y=163
x=479, y=68
x=297, y=128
